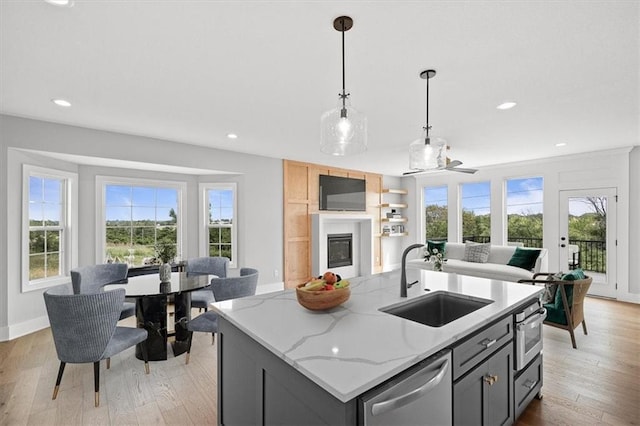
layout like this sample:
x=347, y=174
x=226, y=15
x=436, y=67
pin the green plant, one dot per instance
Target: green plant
x=166, y=252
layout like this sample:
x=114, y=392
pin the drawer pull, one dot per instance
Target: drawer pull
x=490, y=380
x=529, y=384
x=487, y=343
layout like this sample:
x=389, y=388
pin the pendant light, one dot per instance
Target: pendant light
x=343, y=129
x=427, y=152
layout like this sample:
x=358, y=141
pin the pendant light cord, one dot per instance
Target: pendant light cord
x=344, y=94
x=427, y=127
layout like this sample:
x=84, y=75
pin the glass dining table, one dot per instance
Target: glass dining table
x=152, y=298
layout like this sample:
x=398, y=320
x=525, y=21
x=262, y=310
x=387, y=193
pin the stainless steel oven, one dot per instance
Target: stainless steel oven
x=528, y=328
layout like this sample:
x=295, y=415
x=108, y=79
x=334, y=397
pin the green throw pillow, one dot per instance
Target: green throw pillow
x=576, y=274
x=438, y=245
x=524, y=258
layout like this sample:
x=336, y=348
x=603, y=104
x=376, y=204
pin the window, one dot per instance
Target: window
x=220, y=225
x=48, y=219
x=138, y=216
x=524, y=211
x=436, y=213
x=476, y=212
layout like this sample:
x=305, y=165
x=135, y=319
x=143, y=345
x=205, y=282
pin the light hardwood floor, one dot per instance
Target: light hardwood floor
x=598, y=383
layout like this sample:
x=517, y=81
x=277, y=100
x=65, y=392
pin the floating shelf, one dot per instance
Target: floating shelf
x=395, y=234
x=397, y=220
x=395, y=191
x=394, y=205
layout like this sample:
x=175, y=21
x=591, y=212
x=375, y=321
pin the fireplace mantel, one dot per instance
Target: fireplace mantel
x=327, y=223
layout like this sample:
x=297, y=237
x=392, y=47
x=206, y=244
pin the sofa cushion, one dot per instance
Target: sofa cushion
x=524, y=258
x=476, y=252
x=486, y=270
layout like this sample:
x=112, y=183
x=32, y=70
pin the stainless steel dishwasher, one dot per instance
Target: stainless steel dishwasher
x=418, y=396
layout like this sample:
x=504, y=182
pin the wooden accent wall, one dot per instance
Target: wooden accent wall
x=301, y=199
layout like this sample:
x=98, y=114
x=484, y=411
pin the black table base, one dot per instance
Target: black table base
x=151, y=314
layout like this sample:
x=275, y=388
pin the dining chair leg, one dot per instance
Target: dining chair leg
x=188, y=355
x=573, y=339
x=58, y=380
x=145, y=357
x=96, y=382
x=108, y=363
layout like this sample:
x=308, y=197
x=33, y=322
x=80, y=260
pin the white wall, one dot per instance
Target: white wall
x=612, y=168
x=259, y=181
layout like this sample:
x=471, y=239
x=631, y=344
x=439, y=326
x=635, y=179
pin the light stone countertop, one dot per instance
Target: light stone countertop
x=352, y=348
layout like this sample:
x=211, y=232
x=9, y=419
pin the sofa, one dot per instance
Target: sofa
x=495, y=267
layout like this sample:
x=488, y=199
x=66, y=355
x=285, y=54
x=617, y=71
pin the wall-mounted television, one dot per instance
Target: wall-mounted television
x=342, y=194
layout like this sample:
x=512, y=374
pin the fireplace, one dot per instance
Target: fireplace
x=339, y=250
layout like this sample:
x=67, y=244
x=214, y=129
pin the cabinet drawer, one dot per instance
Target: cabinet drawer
x=472, y=351
x=528, y=384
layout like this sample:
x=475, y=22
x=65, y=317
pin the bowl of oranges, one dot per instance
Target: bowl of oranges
x=325, y=292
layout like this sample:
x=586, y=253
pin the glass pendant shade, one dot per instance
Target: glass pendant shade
x=343, y=131
x=427, y=156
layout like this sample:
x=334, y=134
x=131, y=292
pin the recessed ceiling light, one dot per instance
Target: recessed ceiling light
x=561, y=144
x=506, y=105
x=232, y=136
x=61, y=102
x=67, y=3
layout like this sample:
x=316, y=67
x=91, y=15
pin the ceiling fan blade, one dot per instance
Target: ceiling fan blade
x=413, y=172
x=453, y=163
x=462, y=170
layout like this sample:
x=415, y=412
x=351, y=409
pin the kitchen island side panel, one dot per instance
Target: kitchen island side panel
x=256, y=387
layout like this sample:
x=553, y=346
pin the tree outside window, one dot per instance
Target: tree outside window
x=436, y=213
x=476, y=212
x=46, y=226
x=221, y=221
x=137, y=220
x=525, y=211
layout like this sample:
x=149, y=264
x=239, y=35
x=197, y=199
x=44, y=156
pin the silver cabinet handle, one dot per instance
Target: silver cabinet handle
x=529, y=384
x=533, y=321
x=488, y=342
x=399, y=401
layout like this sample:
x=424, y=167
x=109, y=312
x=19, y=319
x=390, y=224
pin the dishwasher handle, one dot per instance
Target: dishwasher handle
x=399, y=401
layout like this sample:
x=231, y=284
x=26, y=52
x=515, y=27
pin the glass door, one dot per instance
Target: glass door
x=588, y=236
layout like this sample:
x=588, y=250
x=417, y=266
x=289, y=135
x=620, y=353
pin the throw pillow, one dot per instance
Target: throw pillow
x=576, y=274
x=524, y=258
x=476, y=252
x=435, y=245
x=549, y=295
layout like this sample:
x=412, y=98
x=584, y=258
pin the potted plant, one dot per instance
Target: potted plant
x=165, y=253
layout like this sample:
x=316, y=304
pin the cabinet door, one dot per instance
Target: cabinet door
x=484, y=396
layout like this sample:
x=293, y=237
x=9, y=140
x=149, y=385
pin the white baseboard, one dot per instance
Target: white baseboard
x=22, y=329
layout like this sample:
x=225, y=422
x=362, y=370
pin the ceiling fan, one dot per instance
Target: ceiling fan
x=451, y=165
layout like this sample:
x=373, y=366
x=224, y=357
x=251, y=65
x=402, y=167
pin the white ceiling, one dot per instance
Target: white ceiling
x=193, y=71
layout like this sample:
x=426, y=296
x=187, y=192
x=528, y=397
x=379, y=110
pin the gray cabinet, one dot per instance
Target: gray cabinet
x=528, y=385
x=484, y=396
x=256, y=387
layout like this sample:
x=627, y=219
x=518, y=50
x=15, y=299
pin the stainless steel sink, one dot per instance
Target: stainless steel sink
x=438, y=308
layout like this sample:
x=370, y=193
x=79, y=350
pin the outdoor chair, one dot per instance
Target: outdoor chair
x=565, y=310
x=92, y=279
x=573, y=252
x=84, y=328
x=214, y=265
x=222, y=289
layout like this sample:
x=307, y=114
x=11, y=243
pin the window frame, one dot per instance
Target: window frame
x=101, y=184
x=460, y=208
x=506, y=206
x=68, y=244
x=203, y=232
x=423, y=200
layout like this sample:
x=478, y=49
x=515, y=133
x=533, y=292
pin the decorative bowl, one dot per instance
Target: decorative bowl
x=322, y=299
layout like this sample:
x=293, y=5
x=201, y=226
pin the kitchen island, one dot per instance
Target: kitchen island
x=276, y=356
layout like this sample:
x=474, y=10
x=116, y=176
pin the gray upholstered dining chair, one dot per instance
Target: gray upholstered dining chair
x=84, y=328
x=91, y=279
x=222, y=289
x=214, y=265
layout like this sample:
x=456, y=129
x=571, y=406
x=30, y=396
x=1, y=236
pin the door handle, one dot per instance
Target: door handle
x=563, y=245
x=397, y=402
